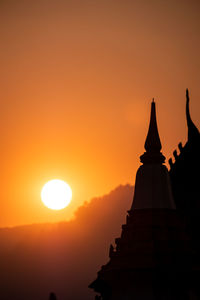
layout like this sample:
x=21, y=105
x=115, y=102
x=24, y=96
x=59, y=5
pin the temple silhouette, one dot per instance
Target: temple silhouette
x=158, y=253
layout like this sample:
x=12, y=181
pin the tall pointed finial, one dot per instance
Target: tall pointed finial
x=152, y=143
x=193, y=132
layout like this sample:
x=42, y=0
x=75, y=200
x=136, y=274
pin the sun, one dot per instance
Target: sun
x=56, y=194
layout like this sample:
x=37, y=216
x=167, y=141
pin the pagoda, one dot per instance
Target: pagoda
x=152, y=258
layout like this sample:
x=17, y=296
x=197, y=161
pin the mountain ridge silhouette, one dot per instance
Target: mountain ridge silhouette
x=62, y=257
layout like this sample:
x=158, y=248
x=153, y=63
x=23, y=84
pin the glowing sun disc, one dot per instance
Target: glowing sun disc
x=56, y=194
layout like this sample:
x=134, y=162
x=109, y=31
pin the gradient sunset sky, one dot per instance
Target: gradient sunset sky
x=77, y=79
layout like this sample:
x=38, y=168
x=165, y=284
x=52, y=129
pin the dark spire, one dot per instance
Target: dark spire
x=152, y=143
x=193, y=132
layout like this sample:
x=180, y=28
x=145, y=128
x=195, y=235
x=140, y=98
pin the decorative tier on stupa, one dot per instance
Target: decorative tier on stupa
x=151, y=259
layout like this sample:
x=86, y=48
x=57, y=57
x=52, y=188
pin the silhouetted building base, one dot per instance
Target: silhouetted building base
x=151, y=260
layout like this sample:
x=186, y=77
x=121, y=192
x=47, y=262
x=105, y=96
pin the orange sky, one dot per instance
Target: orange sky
x=77, y=78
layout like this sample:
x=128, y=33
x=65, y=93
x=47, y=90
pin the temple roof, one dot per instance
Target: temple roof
x=183, y=174
x=193, y=132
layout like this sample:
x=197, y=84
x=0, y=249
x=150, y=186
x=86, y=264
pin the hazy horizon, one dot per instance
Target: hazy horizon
x=84, y=205
x=40, y=258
